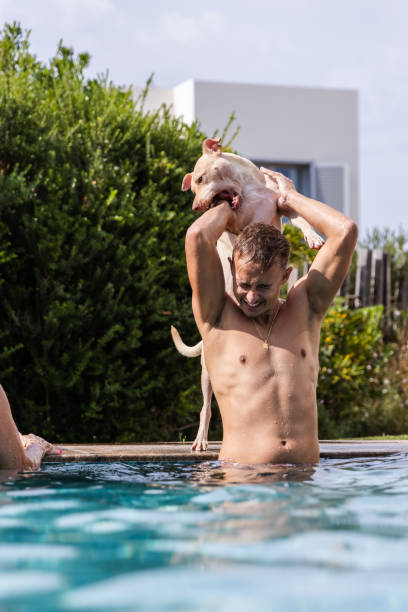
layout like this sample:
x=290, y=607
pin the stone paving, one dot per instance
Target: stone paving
x=178, y=451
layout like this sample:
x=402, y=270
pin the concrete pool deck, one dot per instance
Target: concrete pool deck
x=179, y=451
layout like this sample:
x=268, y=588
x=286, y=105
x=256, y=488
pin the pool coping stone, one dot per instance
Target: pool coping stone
x=180, y=451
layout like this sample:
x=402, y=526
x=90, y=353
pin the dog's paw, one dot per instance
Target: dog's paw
x=200, y=444
x=314, y=240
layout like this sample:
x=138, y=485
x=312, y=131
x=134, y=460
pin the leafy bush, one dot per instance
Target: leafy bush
x=363, y=381
x=92, y=269
x=300, y=253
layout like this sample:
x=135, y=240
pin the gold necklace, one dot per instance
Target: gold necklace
x=265, y=341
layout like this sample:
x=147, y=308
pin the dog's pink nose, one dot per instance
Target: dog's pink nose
x=198, y=205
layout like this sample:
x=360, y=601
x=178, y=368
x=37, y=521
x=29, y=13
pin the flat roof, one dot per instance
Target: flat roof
x=263, y=84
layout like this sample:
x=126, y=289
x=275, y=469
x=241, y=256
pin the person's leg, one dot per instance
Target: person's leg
x=18, y=452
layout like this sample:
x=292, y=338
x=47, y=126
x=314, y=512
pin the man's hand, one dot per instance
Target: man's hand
x=331, y=263
x=283, y=186
x=237, y=218
x=35, y=448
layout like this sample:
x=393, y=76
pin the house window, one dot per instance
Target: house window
x=325, y=181
x=300, y=174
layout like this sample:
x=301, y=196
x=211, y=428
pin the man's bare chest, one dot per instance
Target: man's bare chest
x=237, y=359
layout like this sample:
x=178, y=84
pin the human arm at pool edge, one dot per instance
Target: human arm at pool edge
x=332, y=262
x=19, y=452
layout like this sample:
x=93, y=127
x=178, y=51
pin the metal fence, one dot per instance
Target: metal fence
x=372, y=284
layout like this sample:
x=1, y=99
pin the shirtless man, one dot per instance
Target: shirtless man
x=18, y=452
x=262, y=353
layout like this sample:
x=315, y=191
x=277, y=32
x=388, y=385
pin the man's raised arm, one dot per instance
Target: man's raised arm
x=332, y=262
x=204, y=265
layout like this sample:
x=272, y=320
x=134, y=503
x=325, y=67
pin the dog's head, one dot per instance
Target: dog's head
x=213, y=179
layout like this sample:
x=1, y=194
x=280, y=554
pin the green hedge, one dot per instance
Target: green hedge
x=92, y=267
x=363, y=380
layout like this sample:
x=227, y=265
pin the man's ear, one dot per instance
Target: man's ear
x=286, y=275
x=211, y=145
x=186, y=185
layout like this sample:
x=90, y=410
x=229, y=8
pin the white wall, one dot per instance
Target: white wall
x=278, y=124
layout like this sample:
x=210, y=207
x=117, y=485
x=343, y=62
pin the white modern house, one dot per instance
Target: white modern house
x=309, y=134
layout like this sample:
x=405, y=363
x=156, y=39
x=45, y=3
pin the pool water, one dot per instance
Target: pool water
x=206, y=536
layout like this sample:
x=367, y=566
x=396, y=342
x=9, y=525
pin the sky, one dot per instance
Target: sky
x=352, y=44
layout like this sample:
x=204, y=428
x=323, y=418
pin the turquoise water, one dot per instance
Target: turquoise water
x=204, y=536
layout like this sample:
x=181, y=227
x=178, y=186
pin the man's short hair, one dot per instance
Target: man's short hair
x=263, y=245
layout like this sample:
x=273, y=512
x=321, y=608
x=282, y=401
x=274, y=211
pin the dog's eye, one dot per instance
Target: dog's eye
x=199, y=180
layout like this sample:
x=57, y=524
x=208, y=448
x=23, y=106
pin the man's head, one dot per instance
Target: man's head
x=259, y=267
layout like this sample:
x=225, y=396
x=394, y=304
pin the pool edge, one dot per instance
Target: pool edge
x=181, y=452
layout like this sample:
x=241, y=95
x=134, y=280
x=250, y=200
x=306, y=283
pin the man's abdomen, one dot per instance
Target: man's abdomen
x=275, y=423
x=271, y=450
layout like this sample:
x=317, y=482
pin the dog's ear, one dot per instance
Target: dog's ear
x=212, y=146
x=187, y=182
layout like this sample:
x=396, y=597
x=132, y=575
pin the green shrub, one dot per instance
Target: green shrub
x=363, y=381
x=92, y=268
x=300, y=253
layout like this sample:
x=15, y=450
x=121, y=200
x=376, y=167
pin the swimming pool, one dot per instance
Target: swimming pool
x=204, y=536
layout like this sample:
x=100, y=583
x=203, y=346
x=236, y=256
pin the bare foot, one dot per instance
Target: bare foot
x=35, y=448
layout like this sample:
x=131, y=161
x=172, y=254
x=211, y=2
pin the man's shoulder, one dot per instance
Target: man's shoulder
x=225, y=313
x=230, y=311
x=229, y=316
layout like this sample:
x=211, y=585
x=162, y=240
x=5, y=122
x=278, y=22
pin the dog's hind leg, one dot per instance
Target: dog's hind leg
x=311, y=236
x=201, y=441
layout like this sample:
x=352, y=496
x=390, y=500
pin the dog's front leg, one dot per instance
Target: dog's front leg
x=201, y=441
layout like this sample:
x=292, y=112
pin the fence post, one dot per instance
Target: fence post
x=363, y=277
x=377, y=277
x=293, y=278
x=404, y=293
x=298, y=272
x=387, y=281
x=345, y=286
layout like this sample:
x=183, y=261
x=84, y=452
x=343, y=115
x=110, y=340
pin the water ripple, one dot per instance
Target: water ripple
x=213, y=536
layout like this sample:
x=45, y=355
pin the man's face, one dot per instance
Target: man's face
x=257, y=291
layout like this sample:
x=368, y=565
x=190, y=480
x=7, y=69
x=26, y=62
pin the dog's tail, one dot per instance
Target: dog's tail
x=187, y=351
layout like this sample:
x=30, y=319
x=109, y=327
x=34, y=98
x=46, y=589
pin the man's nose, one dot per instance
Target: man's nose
x=252, y=295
